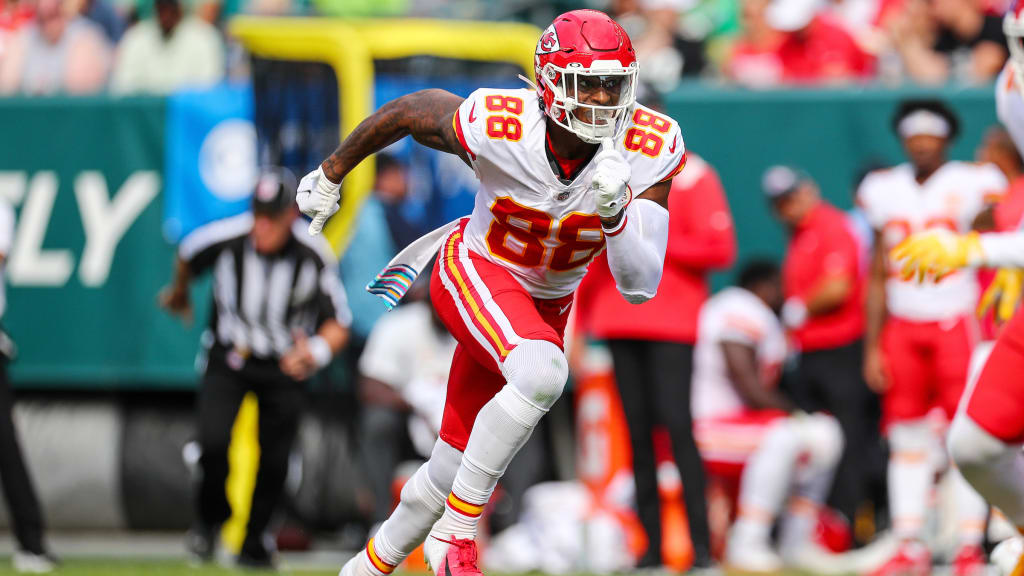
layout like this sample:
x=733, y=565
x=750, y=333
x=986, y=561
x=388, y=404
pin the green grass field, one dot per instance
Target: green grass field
x=148, y=568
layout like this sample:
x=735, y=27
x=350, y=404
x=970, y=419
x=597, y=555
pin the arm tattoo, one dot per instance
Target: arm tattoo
x=425, y=115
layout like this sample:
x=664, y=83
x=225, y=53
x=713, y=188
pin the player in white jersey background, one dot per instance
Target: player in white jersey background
x=742, y=421
x=919, y=338
x=568, y=169
x=986, y=440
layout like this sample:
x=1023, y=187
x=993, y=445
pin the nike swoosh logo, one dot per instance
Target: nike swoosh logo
x=564, y=310
x=471, y=117
x=672, y=148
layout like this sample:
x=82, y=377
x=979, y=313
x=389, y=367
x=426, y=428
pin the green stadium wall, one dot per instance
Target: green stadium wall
x=82, y=297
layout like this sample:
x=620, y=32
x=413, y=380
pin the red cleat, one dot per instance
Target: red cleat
x=969, y=561
x=910, y=559
x=461, y=559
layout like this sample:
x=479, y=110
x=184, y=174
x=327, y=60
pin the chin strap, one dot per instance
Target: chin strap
x=529, y=83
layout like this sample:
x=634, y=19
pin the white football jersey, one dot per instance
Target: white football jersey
x=733, y=315
x=1010, y=106
x=897, y=205
x=544, y=230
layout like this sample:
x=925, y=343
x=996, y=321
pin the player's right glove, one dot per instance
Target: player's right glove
x=937, y=253
x=318, y=198
x=610, y=180
x=1003, y=295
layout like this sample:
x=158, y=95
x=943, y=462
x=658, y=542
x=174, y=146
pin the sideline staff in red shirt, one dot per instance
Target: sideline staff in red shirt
x=824, y=312
x=652, y=346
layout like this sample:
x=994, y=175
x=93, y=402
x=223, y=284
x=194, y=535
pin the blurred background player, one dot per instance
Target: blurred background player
x=31, y=555
x=919, y=339
x=280, y=315
x=824, y=313
x=566, y=162
x=742, y=420
x=986, y=440
x=652, y=347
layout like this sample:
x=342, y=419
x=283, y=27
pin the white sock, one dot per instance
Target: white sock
x=994, y=468
x=971, y=510
x=536, y=372
x=422, y=503
x=766, y=481
x=798, y=525
x=910, y=476
x=822, y=442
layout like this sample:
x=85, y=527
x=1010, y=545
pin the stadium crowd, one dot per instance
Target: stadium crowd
x=126, y=47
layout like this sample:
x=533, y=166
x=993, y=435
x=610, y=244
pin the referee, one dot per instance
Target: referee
x=279, y=315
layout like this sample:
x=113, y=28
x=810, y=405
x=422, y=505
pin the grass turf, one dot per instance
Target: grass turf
x=148, y=568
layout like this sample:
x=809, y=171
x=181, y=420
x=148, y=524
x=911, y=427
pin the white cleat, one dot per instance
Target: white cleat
x=29, y=563
x=1008, y=557
x=751, y=557
x=815, y=559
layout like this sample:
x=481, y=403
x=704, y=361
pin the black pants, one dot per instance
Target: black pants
x=280, y=402
x=654, y=383
x=831, y=380
x=18, y=492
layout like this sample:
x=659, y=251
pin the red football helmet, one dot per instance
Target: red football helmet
x=586, y=51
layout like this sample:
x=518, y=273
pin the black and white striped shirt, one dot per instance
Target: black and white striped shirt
x=261, y=299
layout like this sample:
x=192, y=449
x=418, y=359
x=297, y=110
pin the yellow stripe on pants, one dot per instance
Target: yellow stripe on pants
x=243, y=461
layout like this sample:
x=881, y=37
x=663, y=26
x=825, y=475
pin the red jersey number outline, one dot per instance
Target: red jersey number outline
x=647, y=142
x=530, y=227
x=504, y=126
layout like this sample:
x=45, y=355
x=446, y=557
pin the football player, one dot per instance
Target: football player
x=987, y=435
x=918, y=338
x=568, y=168
x=742, y=421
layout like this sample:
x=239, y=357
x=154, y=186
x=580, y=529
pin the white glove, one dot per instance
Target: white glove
x=794, y=313
x=317, y=198
x=609, y=181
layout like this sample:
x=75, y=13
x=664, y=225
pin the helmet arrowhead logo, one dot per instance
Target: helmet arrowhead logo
x=548, y=41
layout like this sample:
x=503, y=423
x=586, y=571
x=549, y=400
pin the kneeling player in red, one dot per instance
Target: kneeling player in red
x=567, y=169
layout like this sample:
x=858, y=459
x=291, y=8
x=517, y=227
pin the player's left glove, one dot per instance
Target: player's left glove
x=937, y=253
x=610, y=180
x=317, y=198
x=1003, y=295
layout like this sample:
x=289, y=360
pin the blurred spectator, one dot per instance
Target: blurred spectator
x=403, y=376
x=942, y=40
x=652, y=345
x=103, y=14
x=281, y=316
x=59, y=52
x=665, y=53
x=824, y=312
x=742, y=420
x=170, y=51
x=13, y=16
x=814, y=48
x=22, y=503
x=753, y=59
x=372, y=246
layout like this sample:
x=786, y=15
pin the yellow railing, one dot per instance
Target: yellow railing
x=351, y=46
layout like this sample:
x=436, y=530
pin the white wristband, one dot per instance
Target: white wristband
x=794, y=313
x=320, y=350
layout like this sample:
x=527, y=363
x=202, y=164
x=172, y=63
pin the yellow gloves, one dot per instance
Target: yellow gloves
x=936, y=253
x=1003, y=295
